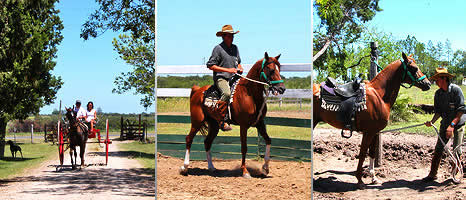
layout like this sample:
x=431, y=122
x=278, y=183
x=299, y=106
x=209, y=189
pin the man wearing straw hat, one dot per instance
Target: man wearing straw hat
x=448, y=104
x=224, y=62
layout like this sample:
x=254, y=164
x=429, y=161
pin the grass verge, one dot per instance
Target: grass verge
x=33, y=154
x=142, y=152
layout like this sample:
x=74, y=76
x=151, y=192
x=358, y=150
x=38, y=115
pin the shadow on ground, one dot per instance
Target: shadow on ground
x=137, y=182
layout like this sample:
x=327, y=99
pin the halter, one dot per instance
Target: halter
x=413, y=79
x=265, y=77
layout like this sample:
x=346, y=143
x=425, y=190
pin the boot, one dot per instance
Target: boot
x=222, y=109
x=434, y=167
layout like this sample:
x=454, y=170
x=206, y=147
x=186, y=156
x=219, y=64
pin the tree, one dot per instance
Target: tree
x=29, y=34
x=342, y=21
x=136, y=45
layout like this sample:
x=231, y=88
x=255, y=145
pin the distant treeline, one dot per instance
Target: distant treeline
x=114, y=119
x=189, y=81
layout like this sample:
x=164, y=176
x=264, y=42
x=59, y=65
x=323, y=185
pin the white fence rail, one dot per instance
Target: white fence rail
x=202, y=69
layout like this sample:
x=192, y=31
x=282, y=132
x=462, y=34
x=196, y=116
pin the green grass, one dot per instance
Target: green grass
x=33, y=154
x=273, y=131
x=144, y=153
x=422, y=97
x=181, y=104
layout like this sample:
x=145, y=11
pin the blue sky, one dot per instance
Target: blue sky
x=88, y=68
x=425, y=19
x=186, y=30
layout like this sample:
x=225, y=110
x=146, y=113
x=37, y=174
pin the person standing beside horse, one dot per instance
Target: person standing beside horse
x=448, y=104
x=224, y=62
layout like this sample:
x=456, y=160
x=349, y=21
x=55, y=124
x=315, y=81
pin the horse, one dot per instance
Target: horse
x=77, y=137
x=381, y=93
x=247, y=108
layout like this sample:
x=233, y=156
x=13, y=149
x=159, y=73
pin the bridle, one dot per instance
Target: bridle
x=270, y=83
x=410, y=75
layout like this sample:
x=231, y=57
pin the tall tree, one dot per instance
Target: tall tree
x=341, y=23
x=136, y=45
x=30, y=32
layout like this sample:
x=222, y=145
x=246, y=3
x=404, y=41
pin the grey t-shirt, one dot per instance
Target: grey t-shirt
x=224, y=57
x=448, y=103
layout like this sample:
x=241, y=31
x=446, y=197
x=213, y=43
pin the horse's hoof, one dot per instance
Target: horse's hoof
x=376, y=181
x=247, y=176
x=212, y=169
x=361, y=186
x=183, y=171
x=265, y=171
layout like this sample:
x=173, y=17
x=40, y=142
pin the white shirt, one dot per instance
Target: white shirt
x=80, y=113
x=90, y=115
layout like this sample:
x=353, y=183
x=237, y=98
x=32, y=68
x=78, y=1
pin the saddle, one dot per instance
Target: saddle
x=212, y=95
x=346, y=100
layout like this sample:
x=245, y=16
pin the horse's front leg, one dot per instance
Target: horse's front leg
x=244, y=150
x=189, y=141
x=366, y=142
x=71, y=157
x=263, y=132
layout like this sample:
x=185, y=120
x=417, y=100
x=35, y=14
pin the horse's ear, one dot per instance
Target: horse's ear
x=277, y=57
x=266, y=56
x=405, y=58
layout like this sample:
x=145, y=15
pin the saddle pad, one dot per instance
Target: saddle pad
x=212, y=94
x=332, y=102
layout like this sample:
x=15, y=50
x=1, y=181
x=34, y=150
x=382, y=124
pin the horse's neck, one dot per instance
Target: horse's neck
x=387, y=83
x=253, y=88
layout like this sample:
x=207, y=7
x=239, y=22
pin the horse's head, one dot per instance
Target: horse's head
x=412, y=74
x=270, y=72
x=70, y=114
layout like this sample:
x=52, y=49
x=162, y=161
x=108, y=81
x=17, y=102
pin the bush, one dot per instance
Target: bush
x=401, y=110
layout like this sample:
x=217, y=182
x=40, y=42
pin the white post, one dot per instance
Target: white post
x=32, y=133
x=14, y=133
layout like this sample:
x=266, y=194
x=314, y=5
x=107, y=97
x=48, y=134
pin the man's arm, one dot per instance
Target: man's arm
x=216, y=68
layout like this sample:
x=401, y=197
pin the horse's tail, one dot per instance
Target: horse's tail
x=204, y=129
x=193, y=90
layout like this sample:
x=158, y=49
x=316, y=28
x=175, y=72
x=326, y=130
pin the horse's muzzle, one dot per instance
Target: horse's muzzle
x=424, y=85
x=276, y=89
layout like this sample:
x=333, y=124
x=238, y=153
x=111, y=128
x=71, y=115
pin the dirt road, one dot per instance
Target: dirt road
x=123, y=178
x=406, y=160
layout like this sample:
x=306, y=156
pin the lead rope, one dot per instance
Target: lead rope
x=265, y=99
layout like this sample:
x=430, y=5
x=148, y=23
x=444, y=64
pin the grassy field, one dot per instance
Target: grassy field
x=296, y=133
x=180, y=104
x=34, y=154
x=144, y=153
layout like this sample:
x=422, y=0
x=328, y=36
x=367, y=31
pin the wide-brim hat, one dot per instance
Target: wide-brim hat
x=226, y=29
x=439, y=72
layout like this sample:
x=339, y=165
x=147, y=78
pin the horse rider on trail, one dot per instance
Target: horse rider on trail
x=80, y=112
x=448, y=104
x=224, y=62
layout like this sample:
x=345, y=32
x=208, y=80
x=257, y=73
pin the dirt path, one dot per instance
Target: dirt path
x=406, y=160
x=123, y=178
x=287, y=180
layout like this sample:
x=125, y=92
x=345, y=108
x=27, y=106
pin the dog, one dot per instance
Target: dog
x=14, y=148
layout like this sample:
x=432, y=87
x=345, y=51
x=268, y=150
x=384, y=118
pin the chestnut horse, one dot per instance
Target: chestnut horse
x=381, y=93
x=77, y=137
x=248, y=101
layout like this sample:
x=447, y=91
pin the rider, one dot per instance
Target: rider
x=80, y=112
x=224, y=61
x=448, y=104
x=91, y=114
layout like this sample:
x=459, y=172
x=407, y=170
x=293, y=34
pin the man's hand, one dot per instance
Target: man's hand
x=240, y=68
x=232, y=70
x=449, y=132
x=428, y=123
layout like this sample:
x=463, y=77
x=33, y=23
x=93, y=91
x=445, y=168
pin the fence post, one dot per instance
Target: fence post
x=372, y=74
x=280, y=103
x=32, y=133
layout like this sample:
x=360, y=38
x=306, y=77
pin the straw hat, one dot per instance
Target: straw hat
x=226, y=29
x=439, y=72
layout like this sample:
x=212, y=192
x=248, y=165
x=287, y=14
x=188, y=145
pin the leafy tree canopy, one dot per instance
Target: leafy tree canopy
x=30, y=32
x=136, y=45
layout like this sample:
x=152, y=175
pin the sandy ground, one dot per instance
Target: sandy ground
x=286, y=180
x=406, y=160
x=122, y=178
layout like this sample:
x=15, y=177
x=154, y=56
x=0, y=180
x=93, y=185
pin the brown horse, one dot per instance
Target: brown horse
x=381, y=93
x=248, y=99
x=77, y=137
